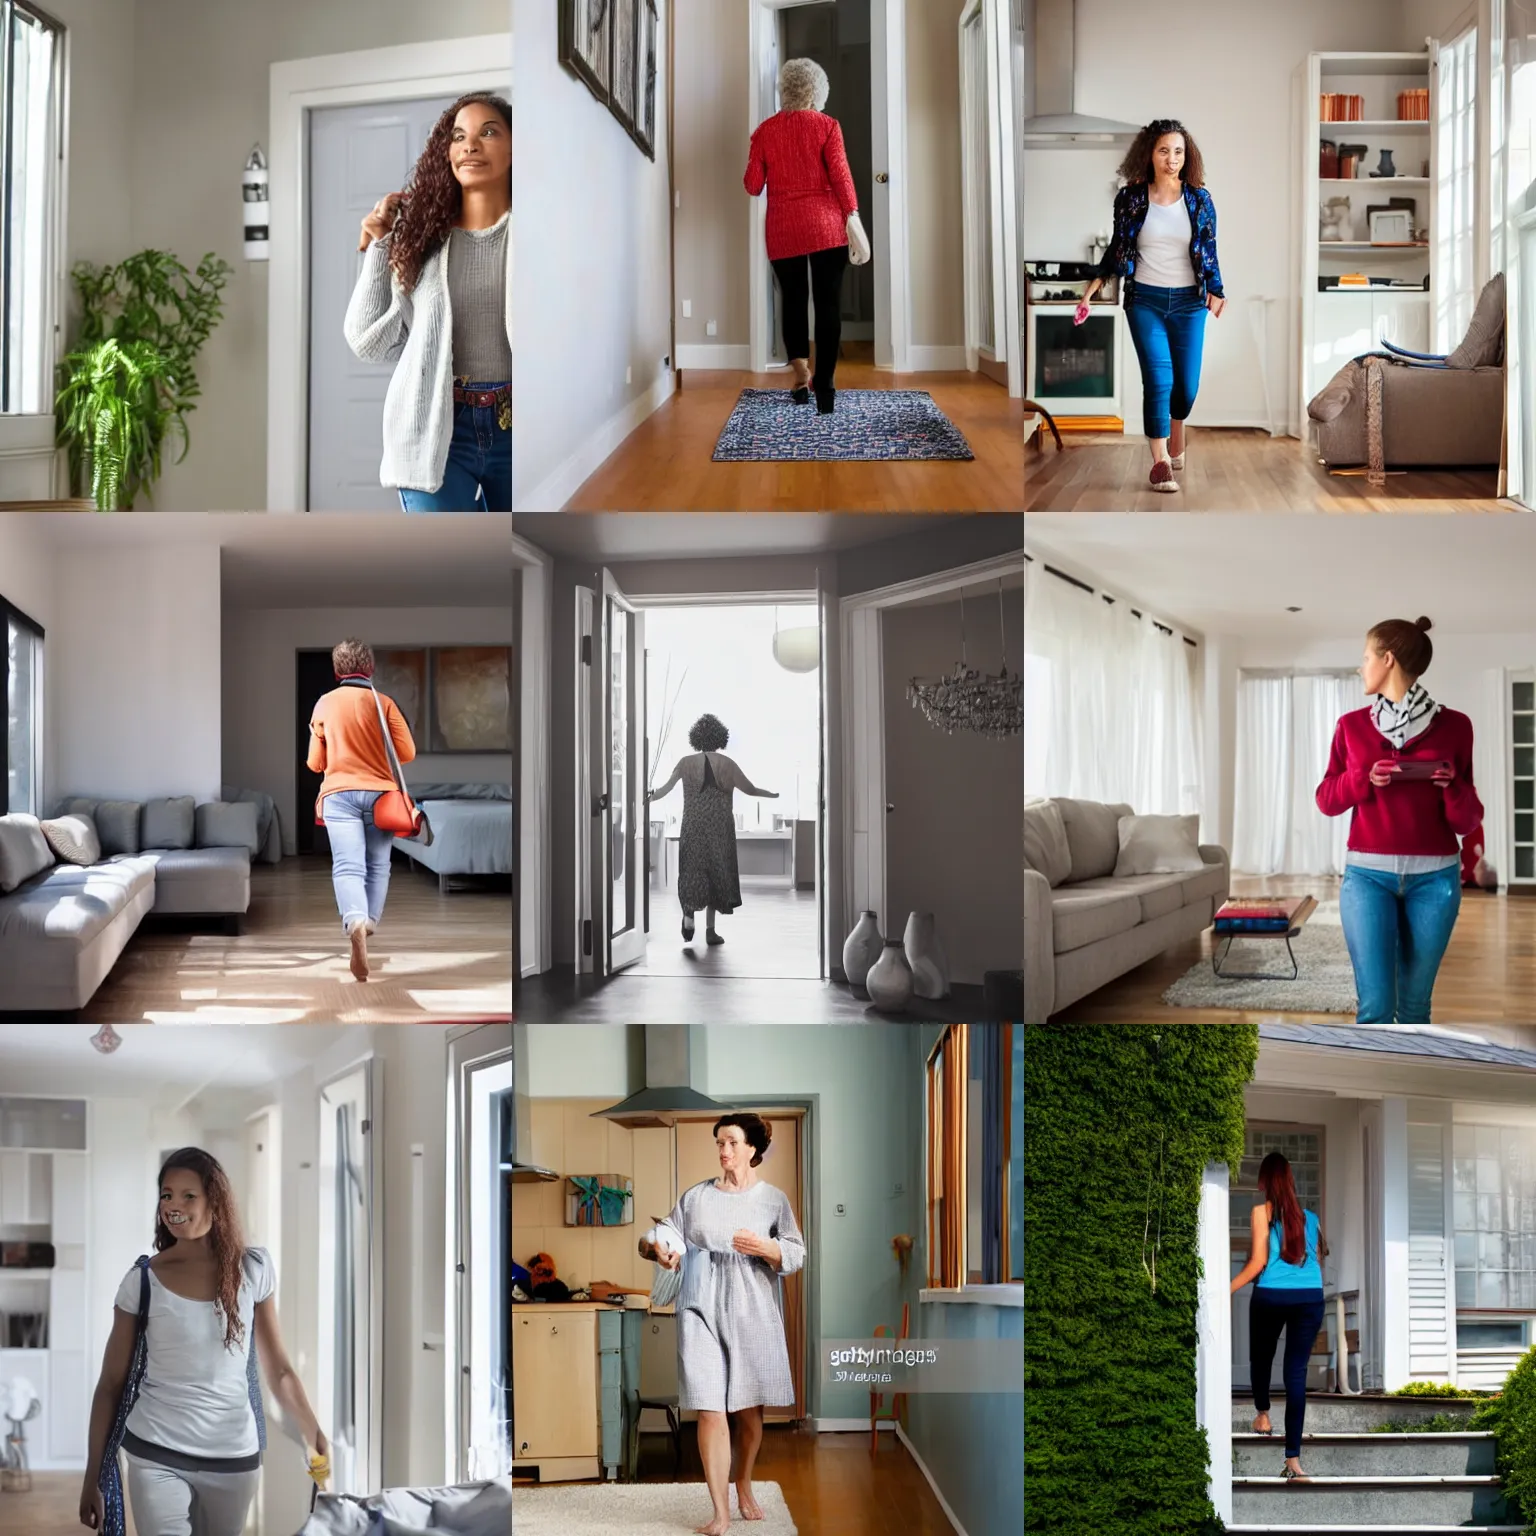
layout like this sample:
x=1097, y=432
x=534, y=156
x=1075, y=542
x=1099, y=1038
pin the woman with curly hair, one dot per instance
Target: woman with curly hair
x=706, y=849
x=812, y=211
x=435, y=294
x=190, y=1424
x=1164, y=246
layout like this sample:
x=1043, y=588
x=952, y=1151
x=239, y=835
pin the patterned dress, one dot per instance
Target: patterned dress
x=706, y=846
x=731, y=1350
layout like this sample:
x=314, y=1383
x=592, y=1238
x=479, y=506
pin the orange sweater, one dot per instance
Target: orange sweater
x=346, y=745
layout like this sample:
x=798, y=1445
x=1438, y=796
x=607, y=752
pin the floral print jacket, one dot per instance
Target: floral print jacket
x=1131, y=214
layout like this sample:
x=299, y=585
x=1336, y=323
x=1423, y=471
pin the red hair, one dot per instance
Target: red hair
x=1279, y=1187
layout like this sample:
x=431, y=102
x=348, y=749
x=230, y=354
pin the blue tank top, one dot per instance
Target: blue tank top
x=1280, y=1276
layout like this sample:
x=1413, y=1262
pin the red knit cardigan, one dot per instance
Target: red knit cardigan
x=799, y=157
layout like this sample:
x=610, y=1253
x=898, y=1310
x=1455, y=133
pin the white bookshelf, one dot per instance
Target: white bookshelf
x=1339, y=324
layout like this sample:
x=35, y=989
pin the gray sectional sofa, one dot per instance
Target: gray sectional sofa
x=65, y=918
x=1083, y=927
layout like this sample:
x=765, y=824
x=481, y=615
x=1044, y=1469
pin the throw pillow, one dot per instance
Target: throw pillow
x=1159, y=845
x=1483, y=345
x=224, y=825
x=24, y=851
x=73, y=839
x=169, y=823
x=117, y=824
x=1091, y=836
x=1045, y=841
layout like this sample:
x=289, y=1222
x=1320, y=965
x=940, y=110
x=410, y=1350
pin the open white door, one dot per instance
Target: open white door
x=986, y=208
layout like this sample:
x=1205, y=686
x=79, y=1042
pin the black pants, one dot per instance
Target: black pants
x=826, y=282
x=1268, y=1313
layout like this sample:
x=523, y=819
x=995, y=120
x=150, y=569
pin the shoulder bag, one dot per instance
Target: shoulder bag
x=394, y=810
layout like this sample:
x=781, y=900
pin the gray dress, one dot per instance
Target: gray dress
x=706, y=847
x=731, y=1351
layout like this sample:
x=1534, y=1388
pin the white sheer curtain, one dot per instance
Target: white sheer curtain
x=1109, y=702
x=1285, y=727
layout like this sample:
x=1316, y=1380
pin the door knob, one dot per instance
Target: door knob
x=889, y=807
x=600, y=804
x=882, y=178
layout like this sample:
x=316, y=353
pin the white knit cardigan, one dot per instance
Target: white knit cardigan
x=384, y=322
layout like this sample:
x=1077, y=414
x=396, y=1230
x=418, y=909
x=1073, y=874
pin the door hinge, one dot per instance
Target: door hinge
x=586, y=936
x=586, y=650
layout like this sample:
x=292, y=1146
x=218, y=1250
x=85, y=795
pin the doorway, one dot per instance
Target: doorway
x=313, y=675
x=356, y=154
x=987, y=217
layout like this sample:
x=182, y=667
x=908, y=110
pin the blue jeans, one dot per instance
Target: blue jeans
x=1397, y=928
x=478, y=474
x=1302, y=1320
x=359, y=854
x=1168, y=328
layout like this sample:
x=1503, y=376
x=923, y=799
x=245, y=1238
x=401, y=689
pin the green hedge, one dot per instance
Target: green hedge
x=1512, y=1417
x=1111, y=1440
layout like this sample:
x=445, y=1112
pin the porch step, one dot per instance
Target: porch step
x=1330, y=1502
x=1334, y=1413
x=1365, y=1455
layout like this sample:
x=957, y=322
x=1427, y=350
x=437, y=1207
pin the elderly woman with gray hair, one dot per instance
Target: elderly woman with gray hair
x=813, y=216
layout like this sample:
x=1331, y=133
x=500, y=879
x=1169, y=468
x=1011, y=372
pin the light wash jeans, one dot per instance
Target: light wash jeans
x=1397, y=928
x=359, y=854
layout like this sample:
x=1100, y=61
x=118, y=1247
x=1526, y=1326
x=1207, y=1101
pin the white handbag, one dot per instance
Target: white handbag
x=858, y=242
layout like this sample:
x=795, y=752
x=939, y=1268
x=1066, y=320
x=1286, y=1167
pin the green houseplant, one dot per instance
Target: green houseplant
x=131, y=378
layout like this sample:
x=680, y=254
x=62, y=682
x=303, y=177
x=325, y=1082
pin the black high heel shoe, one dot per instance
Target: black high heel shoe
x=801, y=395
x=825, y=399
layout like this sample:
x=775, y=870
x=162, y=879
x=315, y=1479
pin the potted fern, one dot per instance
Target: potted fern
x=131, y=379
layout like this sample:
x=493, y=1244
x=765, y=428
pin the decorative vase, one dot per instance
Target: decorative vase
x=890, y=979
x=1386, y=168
x=924, y=950
x=861, y=949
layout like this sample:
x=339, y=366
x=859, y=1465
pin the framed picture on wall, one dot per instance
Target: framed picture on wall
x=402, y=674
x=643, y=129
x=586, y=42
x=471, y=699
x=624, y=75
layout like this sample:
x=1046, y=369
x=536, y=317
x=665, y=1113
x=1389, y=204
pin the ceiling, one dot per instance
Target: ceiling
x=336, y=560
x=1237, y=575
x=163, y=1062
x=599, y=536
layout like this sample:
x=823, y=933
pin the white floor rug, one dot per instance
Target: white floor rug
x=638, y=1509
x=1325, y=981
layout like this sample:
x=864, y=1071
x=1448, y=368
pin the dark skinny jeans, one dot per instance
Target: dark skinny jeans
x=1302, y=1320
x=825, y=280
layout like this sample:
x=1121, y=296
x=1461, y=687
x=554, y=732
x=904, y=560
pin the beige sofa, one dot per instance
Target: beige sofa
x=1082, y=926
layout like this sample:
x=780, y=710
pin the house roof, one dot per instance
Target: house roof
x=1392, y=1040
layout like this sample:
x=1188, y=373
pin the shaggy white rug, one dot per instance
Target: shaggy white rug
x=1325, y=980
x=638, y=1509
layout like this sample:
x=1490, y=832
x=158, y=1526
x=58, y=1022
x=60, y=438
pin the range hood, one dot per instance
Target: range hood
x=668, y=1093
x=524, y=1169
x=1055, y=121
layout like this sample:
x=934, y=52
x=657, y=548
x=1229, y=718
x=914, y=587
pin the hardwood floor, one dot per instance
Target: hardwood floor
x=435, y=958
x=51, y=1508
x=831, y=1483
x=1236, y=470
x=1488, y=975
x=665, y=464
x=771, y=934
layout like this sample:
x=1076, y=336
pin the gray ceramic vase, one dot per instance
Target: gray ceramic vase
x=925, y=954
x=861, y=949
x=890, y=979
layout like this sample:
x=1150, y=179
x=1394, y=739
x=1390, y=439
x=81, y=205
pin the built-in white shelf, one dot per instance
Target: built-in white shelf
x=1396, y=293
x=1373, y=181
x=25, y=1274
x=1330, y=128
x=1365, y=245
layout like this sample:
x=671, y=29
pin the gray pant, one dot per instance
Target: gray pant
x=171, y=1503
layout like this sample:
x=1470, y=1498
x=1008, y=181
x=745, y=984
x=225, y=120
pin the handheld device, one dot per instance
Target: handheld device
x=1420, y=768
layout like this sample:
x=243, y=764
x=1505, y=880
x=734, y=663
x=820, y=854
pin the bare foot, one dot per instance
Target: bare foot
x=359, y=940
x=749, y=1507
x=716, y=1527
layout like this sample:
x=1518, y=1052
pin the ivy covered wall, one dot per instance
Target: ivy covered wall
x=1120, y=1122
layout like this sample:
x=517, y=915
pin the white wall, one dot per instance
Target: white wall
x=592, y=282
x=133, y=672
x=259, y=743
x=1239, y=107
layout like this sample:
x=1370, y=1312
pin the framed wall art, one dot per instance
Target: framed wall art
x=402, y=674
x=624, y=74
x=610, y=45
x=586, y=43
x=643, y=129
x=471, y=699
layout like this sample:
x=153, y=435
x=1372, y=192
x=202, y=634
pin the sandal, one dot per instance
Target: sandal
x=1270, y=1431
x=1291, y=1475
x=1161, y=478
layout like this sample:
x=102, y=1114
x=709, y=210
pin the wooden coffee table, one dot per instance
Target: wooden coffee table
x=1305, y=909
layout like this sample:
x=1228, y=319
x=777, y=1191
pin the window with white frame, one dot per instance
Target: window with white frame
x=1495, y=1217
x=1456, y=194
x=21, y=748
x=31, y=148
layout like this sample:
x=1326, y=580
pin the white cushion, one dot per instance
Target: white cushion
x=24, y=851
x=1046, y=849
x=1159, y=845
x=73, y=839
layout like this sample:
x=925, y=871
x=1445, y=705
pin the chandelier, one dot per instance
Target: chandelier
x=967, y=700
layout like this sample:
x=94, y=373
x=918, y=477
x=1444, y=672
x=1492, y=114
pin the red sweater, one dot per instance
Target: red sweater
x=1413, y=817
x=799, y=157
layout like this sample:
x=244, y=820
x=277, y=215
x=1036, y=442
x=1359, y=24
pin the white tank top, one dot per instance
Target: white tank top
x=1162, y=247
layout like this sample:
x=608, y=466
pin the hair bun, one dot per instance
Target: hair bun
x=767, y=1127
x=1422, y=623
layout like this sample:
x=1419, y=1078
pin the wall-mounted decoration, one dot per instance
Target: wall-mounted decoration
x=586, y=42
x=622, y=87
x=471, y=698
x=599, y=1200
x=402, y=674
x=611, y=46
x=255, y=208
x=644, y=130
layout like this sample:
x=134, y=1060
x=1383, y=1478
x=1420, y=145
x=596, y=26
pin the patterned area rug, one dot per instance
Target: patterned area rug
x=1325, y=981
x=638, y=1509
x=868, y=424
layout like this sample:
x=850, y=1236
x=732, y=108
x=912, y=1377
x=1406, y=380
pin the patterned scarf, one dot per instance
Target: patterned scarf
x=1408, y=718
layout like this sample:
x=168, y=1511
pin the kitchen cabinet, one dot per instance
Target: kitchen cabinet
x=1349, y=323
x=26, y=1188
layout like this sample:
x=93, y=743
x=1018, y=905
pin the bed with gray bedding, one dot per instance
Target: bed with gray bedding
x=471, y=830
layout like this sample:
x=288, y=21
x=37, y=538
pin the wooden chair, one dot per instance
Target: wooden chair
x=898, y=1409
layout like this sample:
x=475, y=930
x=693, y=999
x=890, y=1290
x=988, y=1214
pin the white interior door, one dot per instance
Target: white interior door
x=356, y=155
x=620, y=779
x=350, y=1379
x=984, y=210
x=888, y=236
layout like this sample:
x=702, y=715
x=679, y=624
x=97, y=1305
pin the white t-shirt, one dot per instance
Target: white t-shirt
x=1162, y=247
x=195, y=1397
